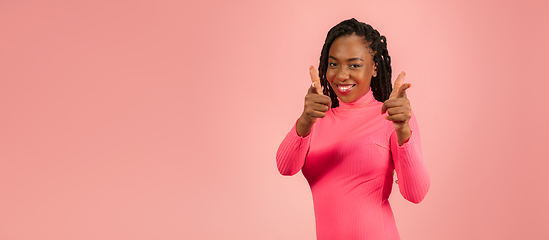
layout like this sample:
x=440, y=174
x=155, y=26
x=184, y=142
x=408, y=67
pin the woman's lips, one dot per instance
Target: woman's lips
x=345, y=88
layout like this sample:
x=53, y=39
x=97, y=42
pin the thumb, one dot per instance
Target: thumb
x=315, y=79
x=398, y=83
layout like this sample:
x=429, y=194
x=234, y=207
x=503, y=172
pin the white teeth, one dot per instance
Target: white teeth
x=345, y=88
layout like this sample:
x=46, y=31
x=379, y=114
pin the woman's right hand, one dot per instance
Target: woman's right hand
x=316, y=105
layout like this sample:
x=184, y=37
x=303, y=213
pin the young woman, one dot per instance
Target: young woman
x=354, y=132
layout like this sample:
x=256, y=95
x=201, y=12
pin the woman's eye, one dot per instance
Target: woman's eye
x=332, y=64
x=355, y=65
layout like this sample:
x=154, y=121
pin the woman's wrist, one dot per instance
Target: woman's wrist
x=303, y=127
x=404, y=134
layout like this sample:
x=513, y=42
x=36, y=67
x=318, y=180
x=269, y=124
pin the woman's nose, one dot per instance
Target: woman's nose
x=342, y=74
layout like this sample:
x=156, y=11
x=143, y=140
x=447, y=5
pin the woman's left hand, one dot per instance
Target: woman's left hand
x=399, y=109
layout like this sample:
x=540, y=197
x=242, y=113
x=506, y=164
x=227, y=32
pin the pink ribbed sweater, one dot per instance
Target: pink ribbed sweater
x=348, y=160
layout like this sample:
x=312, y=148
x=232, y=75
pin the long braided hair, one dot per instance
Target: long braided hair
x=381, y=84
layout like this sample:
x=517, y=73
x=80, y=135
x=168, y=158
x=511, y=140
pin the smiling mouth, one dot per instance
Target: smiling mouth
x=345, y=88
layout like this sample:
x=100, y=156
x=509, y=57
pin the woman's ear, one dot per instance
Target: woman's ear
x=374, y=71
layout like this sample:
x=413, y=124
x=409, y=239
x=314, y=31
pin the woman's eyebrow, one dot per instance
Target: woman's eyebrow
x=349, y=60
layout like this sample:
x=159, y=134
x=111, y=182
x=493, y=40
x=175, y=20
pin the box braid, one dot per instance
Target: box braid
x=381, y=84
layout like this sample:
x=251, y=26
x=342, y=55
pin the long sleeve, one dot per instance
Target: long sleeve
x=291, y=153
x=413, y=178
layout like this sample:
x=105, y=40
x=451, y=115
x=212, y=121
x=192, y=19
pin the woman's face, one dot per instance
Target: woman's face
x=350, y=68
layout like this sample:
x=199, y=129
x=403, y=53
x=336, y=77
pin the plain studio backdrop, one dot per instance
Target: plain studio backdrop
x=161, y=119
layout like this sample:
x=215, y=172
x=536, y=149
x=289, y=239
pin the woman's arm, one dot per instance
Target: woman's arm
x=413, y=178
x=292, y=152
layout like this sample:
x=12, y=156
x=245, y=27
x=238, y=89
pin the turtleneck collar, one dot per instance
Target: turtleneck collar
x=365, y=100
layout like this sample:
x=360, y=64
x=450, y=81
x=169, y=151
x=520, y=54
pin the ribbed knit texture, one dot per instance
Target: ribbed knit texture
x=348, y=160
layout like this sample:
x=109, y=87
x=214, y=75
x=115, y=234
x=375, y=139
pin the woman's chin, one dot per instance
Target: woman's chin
x=348, y=98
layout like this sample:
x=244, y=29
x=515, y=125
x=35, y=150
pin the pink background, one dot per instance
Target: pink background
x=161, y=119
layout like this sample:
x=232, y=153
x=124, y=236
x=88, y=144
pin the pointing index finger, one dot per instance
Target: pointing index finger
x=402, y=90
